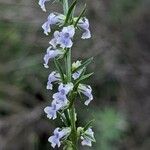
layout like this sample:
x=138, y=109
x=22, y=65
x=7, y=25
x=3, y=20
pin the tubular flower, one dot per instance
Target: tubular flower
x=54, y=76
x=77, y=74
x=58, y=136
x=88, y=137
x=51, y=53
x=84, y=25
x=61, y=96
x=42, y=4
x=87, y=91
x=51, y=111
x=52, y=19
x=64, y=38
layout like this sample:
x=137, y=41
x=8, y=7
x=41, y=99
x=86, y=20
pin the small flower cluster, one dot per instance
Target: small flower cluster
x=69, y=83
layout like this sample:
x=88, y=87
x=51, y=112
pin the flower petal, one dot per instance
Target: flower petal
x=42, y=4
x=87, y=91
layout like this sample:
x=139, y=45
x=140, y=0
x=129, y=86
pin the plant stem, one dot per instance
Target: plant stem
x=69, y=74
x=72, y=108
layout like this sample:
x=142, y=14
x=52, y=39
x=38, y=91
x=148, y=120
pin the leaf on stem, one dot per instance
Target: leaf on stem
x=63, y=118
x=81, y=14
x=84, y=77
x=84, y=64
x=60, y=70
x=70, y=11
x=88, y=125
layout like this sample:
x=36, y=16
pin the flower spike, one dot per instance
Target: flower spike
x=68, y=76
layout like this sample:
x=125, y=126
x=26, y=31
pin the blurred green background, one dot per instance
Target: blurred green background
x=121, y=84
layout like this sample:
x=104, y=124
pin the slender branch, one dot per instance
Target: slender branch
x=69, y=73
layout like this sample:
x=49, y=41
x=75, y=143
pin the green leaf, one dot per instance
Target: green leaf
x=71, y=9
x=58, y=66
x=68, y=145
x=63, y=118
x=67, y=117
x=81, y=14
x=84, y=64
x=88, y=124
x=82, y=79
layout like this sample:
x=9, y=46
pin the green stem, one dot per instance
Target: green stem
x=72, y=108
x=68, y=65
x=69, y=74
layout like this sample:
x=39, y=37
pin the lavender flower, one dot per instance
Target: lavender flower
x=51, y=111
x=87, y=91
x=54, y=76
x=58, y=136
x=51, y=53
x=77, y=74
x=61, y=96
x=54, y=41
x=42, y=4
x=52, y=19
x=64, y=37
x=84, y=24
x=88, y=137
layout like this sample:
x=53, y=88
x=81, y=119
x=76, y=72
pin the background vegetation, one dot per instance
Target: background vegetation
x=120, y=45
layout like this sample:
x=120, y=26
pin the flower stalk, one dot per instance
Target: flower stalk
x=70, y=79
x=69, y=73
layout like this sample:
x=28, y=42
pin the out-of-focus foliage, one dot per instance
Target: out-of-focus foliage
x=110, y=126
x=120, y=8
x=121, y=83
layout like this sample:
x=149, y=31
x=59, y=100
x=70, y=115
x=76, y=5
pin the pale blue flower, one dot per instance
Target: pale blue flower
x=61, y=96
x=64, y=38
x=87, y=137
x=51, y=53
x=77, y=74
x=84, y=24
x=51, y=111
x=42, y=4
x=54, y=76
x=87, y=91
x=54, y=41
x=58, y=136
x=52, y=19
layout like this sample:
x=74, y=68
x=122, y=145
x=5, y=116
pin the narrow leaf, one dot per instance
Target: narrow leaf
x=88, y=124
x=63, y=118
x=82, y=79
x=70, y=11
x=84, y=64
x=58, y=66
x=81, y=14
